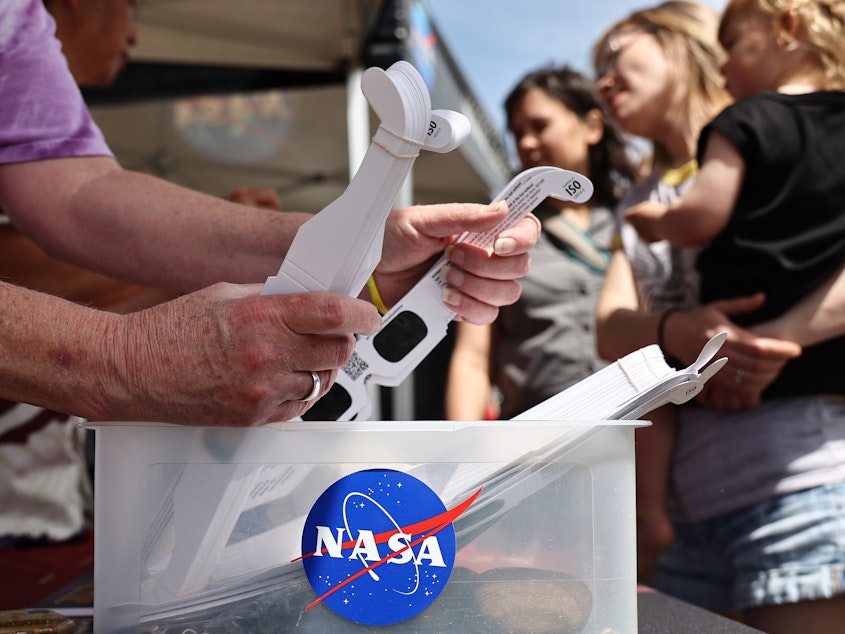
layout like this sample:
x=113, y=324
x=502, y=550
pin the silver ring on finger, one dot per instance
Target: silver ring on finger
x=739, y=377
x=315, y=390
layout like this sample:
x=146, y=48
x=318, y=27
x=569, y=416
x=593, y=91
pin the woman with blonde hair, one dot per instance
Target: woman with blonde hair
x=757, y=476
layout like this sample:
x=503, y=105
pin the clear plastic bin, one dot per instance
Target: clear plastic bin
x=204, y=529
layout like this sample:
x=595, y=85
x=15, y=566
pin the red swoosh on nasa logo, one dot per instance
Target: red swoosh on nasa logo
x=433, y=525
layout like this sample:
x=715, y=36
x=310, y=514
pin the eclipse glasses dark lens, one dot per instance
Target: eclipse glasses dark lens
x=334, y=403
x=394, y=342
x=399, y=337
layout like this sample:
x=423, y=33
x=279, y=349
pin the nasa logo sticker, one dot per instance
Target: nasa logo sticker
x=378, y=547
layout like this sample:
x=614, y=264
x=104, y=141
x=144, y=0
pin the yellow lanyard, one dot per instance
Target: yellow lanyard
x=675, y=177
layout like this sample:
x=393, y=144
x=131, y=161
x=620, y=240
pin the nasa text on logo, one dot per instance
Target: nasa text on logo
x=378, y=546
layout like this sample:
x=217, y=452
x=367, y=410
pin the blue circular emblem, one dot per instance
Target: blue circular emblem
x=378, y=547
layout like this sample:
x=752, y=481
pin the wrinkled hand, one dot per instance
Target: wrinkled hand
x=479, y=282
x=753, y=361
x=226, y=356
x=645, y=217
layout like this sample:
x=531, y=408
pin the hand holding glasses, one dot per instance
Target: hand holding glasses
x=414, y=326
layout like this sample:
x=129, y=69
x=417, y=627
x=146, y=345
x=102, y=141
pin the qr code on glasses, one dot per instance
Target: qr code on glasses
x=356, y=366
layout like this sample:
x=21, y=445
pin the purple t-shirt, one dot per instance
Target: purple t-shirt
x=43, y=113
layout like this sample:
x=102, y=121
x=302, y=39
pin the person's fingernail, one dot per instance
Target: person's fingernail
x=450, y=297
x=445, y=271
x=503, y=246
x=452, y=275
x=455, y=256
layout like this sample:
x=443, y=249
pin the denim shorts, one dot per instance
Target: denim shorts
x=787, y=549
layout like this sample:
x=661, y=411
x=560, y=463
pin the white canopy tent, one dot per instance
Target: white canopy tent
x=300, y=137
x=224, y=94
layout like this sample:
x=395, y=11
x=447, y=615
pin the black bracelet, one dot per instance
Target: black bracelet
x=661, y=326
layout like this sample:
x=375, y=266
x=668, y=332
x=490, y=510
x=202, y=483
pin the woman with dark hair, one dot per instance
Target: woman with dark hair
x=544, y=342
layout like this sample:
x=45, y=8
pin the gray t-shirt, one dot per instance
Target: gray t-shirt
x=545, y=342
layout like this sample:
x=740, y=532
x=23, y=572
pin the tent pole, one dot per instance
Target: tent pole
x=403, y=394
x=358, y=142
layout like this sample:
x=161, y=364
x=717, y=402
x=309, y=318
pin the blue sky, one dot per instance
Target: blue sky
x=498, y=41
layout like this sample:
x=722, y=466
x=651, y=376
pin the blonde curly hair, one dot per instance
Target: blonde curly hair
x=821, y=33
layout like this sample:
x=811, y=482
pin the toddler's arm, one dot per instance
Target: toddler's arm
x=704, y=211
